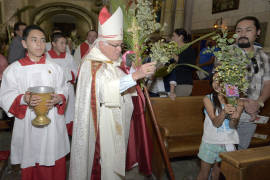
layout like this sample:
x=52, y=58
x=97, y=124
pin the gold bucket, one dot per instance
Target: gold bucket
x=41, y=110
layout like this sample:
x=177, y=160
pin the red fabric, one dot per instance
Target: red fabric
x=72, y=81
x=61, y=107
x=27, y=61
x=84, y=47
x=104, y=15
x=108, y=36
x=96, y=169
x=69, y=128
x=56, y=172
x=4, y=155
x=140, y=145
x=17, y=109
x=53, y=54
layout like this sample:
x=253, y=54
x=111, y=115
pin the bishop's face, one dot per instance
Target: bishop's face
x=111, y=49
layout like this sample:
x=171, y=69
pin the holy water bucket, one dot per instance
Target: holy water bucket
x=41, y=110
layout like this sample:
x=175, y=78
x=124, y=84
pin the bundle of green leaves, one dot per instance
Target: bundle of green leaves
x=232, y=63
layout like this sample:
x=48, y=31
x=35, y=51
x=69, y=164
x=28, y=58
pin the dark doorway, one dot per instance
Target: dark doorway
x=66, y=28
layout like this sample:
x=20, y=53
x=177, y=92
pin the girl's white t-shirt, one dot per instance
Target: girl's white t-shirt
x=221, y=135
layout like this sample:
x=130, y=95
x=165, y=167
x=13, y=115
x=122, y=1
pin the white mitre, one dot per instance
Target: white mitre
x=110, y=27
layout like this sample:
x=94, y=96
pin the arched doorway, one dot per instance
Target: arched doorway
x=65, y=16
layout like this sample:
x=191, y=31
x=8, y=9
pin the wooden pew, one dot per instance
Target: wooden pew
x=249, y=164
x=181, y=124
x=263, y=129
x=201, y=88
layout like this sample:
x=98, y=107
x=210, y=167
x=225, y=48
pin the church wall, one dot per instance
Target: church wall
x=82, y=26
x=203, y=18
x=9, y=8
x=85, y=4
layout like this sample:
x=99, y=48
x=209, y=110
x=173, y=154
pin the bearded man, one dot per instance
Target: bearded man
x=248, y=29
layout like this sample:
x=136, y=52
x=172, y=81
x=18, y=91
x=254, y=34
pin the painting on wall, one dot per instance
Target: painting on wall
x=224, y=5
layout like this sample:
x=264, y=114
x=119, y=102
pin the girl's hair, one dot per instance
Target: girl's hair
x=55, y=36
x=183, y=32
x=215, y=100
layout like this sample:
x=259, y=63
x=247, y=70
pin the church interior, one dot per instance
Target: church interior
x=180, y=122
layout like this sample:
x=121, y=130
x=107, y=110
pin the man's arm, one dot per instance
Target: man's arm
x=265, y=94
x=129, y=80
x=253, y=106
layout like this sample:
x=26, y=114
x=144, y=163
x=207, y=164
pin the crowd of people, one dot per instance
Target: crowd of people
x=93, y=100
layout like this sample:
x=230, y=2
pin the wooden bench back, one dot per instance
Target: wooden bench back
x=184, y=116
x=201, y=88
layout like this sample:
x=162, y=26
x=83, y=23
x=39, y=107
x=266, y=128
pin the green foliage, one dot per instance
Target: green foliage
x=162, y=51
x=232, y=63
x=139, y=24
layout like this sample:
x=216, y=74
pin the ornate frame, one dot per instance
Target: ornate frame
x=224, y=5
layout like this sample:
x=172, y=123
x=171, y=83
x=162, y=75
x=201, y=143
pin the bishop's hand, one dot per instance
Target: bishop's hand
x=144, y=70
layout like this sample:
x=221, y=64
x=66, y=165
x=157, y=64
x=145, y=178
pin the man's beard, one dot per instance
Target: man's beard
x=244, y=44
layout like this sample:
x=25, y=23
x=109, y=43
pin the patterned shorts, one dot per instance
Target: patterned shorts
x=210, y=152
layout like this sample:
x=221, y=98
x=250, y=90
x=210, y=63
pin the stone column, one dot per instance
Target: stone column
x=188, y=15
x=179, y=14
x=172, y=15
x=26, y=14
x=167, y=14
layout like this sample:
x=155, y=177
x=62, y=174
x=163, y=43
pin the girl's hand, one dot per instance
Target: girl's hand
x=229, y=109
x=56, y=98
x=235, y=115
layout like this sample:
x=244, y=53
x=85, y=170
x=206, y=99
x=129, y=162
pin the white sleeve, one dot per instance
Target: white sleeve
x=126, y=82
x=77, y=56
x=73, y=66
x=9, y=89
x=61, y=86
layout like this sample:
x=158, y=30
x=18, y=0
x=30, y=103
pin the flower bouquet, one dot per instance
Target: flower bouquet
x=231, y=67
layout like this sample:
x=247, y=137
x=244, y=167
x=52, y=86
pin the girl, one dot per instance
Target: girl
x=220, y=133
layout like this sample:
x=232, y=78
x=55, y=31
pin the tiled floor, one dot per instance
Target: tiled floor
x=184, y=169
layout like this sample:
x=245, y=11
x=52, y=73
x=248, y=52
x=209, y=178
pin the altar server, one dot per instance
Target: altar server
x=40, y=151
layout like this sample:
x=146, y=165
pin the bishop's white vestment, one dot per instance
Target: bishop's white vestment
x=101, y=112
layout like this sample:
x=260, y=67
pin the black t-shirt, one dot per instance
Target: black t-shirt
x=184, y=73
